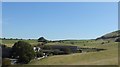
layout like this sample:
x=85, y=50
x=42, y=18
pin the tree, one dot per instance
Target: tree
x=40, y=54
x=57, y=52
x=23, y=51
x=72, y=42
x=42, y=39
x=47, y=47
x=11, y=38
x=4, y=38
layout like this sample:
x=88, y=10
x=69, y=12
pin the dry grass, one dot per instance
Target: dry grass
x=107, y=57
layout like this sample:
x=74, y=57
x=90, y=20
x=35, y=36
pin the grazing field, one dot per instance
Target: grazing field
x=106, y=57
x=10, y=43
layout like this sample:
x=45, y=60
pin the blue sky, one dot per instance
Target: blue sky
x=60, y=0
x=59, y=20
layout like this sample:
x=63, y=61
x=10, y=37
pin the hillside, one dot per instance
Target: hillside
x=111, y=36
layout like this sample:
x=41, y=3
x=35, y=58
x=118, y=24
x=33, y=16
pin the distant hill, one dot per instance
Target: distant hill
x=114, y=36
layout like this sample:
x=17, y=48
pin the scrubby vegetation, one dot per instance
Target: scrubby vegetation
x=22, y=51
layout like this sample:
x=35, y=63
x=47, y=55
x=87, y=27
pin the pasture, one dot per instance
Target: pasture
x=10, y=43
x=106, y=57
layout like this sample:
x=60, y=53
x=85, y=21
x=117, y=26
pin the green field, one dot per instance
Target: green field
x=106, y=57
x=10, y=43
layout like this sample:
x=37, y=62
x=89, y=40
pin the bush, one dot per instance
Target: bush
x=40, y=54
x=66, y=50
x=72, y=42
x=102, y=43
x=23, y=51
x=46, y=47
x=108, y=42
x=56, y=52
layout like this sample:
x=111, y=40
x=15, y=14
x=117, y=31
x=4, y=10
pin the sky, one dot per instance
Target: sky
x=60, y=0
x=58, y=20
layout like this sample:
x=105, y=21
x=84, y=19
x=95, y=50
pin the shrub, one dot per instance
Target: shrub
x=56, y=52
x=23, y=51
x=39, y=54
x=102, y=43
x=72, y=42
x=46, y=47
x=66, y=50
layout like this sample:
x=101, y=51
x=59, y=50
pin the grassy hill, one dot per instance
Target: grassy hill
x=110, y=36
x=107, y=57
